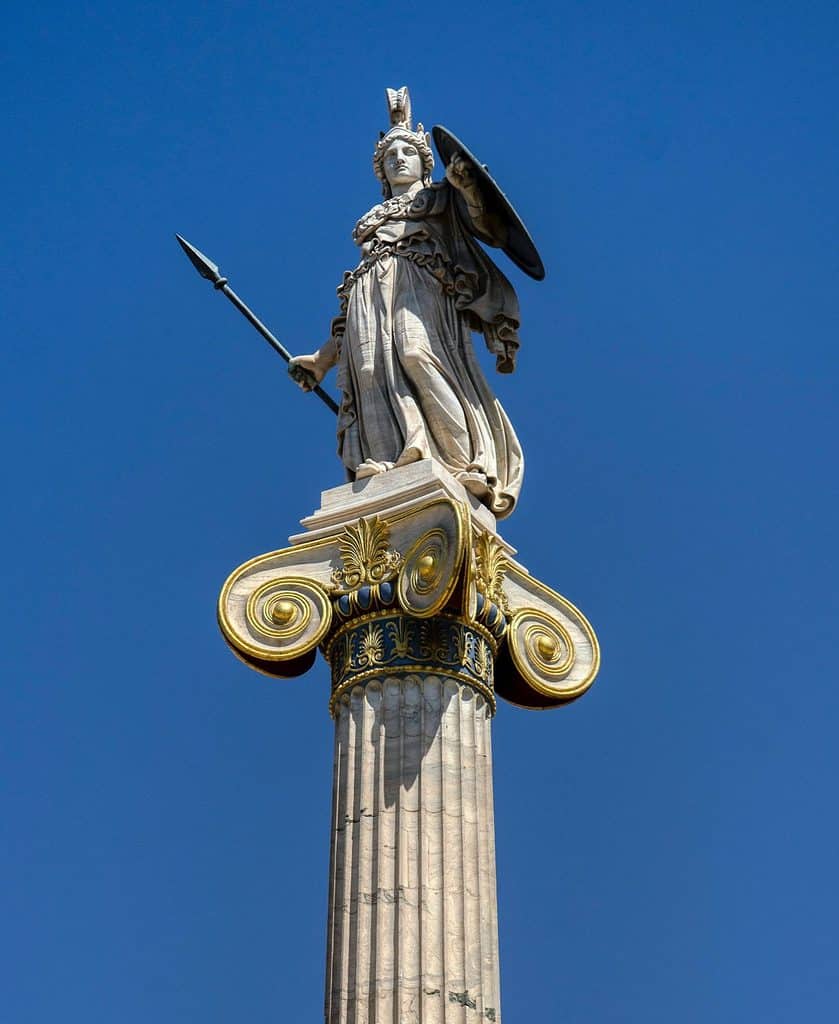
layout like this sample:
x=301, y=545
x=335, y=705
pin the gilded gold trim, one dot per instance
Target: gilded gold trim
x=543, y=648
x=277, y=628
x=241, y=570
x=308, y=545
x=491, y=565
x=239, y=656
x=434, y=543
x=533, y=665
x=366, y=555
x=318, y=598
x=552, y=597
x=389, y=613
x=457, y=507
x=266, y=623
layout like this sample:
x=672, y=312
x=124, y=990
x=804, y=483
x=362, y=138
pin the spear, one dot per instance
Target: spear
x=207, y=269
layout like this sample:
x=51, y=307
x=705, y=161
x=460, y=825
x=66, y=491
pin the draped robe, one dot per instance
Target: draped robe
x=412, y=387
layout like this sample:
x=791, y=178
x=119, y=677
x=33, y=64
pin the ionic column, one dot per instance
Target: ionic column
x=404, y=585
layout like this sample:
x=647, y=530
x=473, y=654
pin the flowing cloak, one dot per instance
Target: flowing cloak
x=412, y=386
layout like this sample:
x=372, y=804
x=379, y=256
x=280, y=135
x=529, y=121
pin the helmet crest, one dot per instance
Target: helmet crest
x=399, y=107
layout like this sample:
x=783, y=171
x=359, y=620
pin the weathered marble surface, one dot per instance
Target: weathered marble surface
x=412, y=935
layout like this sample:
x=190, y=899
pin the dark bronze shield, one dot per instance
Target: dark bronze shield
x=519, y=245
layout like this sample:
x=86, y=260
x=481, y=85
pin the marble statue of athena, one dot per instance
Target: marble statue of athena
x=411, y=385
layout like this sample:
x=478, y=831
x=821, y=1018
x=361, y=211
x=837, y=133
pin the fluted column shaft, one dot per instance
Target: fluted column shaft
x=412, y=935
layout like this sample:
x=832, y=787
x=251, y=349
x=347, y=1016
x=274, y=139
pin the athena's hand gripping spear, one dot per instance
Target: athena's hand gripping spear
x=207, y=269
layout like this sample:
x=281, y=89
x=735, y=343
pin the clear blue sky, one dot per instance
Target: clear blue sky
x=667, y=846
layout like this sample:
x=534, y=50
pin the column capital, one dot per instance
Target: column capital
x=409, y=546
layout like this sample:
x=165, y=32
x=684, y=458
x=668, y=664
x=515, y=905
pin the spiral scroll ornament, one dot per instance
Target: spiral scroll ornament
x=279, y=620
x=429, y=574
x=542, y=651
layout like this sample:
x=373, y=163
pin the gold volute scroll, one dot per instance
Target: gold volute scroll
x=433, y=565
x=275, y=624
x=551, y=654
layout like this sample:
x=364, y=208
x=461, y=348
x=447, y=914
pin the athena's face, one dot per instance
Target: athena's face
x=402, y=163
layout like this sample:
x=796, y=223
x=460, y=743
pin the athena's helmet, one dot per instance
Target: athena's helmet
x=399, y=105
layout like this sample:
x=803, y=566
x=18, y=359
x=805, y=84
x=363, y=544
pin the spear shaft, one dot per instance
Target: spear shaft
x=210, y=272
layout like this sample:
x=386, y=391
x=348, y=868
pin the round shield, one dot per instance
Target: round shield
x=519, y=245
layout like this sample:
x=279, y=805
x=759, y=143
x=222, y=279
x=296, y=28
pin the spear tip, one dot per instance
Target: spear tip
x=205, y=267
